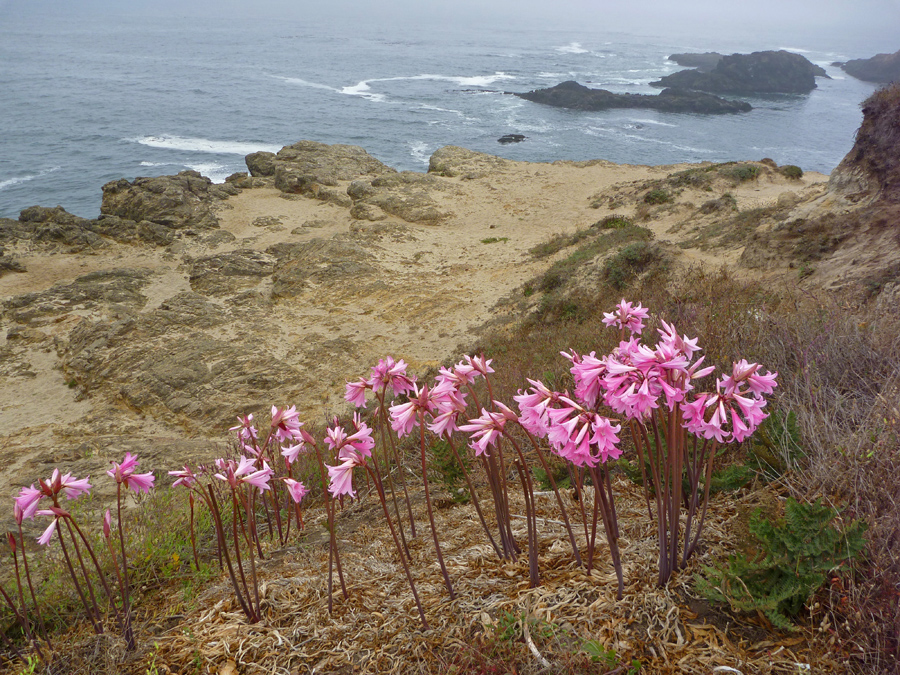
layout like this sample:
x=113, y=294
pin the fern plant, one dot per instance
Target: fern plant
x=795, y=554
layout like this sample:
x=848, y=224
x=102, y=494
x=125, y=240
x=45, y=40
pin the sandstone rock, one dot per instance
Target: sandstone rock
x=261, y=163
x=768, y=72
x=179, y=202
x=407, y=195
x=575, y=96
x=452, y=161
x=53, y=230
x=317, y=261
x=113, y=289
x=185, y=377
x=230, y=273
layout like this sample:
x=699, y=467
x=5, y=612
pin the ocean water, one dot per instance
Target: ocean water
x=90, y=99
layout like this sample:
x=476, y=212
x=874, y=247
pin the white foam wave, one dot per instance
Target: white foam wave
x=307, y=83
x=9, y=182
x=216, y=172
x=572, y=48
x=204, y=145
x=156, y=164
x=461, y=80
x=795, y=49
x=419, y=151
x=363, y=90
x=660, y=124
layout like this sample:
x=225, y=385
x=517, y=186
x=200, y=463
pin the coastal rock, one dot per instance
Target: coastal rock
x=110, y=290
x=261, y=163
x=313, y=169
x=879, y=68
x=706, y=61
x=575, y=96
x=511, y=138
x=407, y=195
x=767, y=72
x=128, y=231
x=871, y=170
x=452, y=161
x=53, y=230
x=317, y=261
x=230, y=273
x=179, y=202
x=185, y=377
x=851, y=235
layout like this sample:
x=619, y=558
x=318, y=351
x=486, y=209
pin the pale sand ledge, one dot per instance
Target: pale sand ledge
x=440, y=284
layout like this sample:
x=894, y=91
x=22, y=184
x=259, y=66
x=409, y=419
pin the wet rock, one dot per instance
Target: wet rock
x=511, y=138
x=178, y=202
x=230, y=273
x=707, y=61
x=769, y=72
x=575, y=96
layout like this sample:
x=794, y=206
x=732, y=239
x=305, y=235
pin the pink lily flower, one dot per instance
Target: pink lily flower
x=125, y=473
x=355, y=392
x=286, y=423
x=296, y=489
x=341, y=478
x=185, y=477
x=246, y=431
x=627, y=316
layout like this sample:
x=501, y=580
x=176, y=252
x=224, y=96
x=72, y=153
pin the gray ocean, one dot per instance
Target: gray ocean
x=89, y=99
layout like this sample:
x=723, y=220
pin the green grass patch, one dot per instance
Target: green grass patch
x=494, y=240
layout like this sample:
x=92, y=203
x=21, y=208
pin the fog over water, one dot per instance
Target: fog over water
x=99, y=90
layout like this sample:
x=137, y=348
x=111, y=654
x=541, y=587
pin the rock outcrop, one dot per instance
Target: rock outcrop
x=575, y=96
x=707, y=61
x=178, y=202
x=879, y=68
x=407, y=195
x=768, y=72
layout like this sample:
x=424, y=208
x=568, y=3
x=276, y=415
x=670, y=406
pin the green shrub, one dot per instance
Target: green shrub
x=630, y=262
x=792, y=171
x=740, y=173
x=657, y=196
x=795, y=553
x=613, y=222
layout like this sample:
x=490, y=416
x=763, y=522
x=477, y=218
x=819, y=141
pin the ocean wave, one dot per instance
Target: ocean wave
x=204, y=145
x=419, y=151
x=572, y=48
x=216, y=172
x=795, y=49
x=15, y=180
x=156, y=163
x=660, y=124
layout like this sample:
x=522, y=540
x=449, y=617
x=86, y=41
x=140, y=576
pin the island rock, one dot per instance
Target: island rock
x=769, y=72
x=879, y=68
x=575, y=96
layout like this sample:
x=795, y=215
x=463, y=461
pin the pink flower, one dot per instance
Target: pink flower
x=744, y=373
x=582, y=437
x=355, y=392
x=125, y=473
x=627, y=316
x=291, y=452
x=588, y=372
x=723, y=415
x=107, y=524
x=296, y=489
x=286, y=423
x=405, y=416
x=45, y=538
x=389, y=373
x=184, y=477
x=341, y=478
x=534, y=407
x=27, y=501
x=246, y=431
x=480, y=364
x=487, y=429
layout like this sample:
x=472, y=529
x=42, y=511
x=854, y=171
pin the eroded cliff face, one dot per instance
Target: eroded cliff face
x=850, y=236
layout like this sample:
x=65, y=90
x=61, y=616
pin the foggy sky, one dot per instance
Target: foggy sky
x=879, y=19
